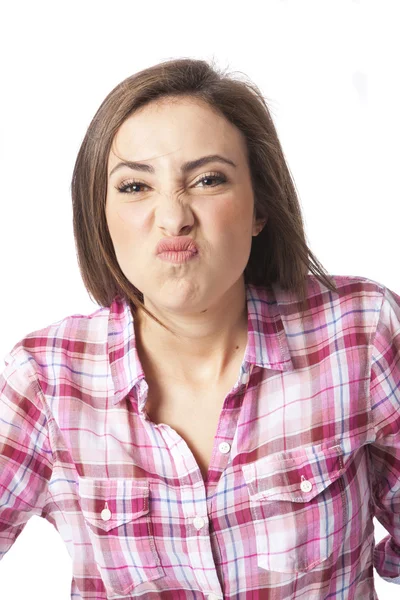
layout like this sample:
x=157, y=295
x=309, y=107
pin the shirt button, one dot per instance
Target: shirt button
x=245, y=377
x=213, y=597
x=305, y=485
x=224, y=447
x=106, y=514
x=198, y=522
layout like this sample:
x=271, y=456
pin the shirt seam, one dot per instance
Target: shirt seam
x=49, y=424
x=372, y=360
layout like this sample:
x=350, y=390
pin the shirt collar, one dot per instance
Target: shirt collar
x=267, y=344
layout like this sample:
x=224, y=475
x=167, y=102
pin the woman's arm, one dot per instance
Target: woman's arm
x=26, y=460
x=385, y=451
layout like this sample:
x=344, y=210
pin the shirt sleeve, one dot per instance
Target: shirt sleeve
x=25, y=454
x=385, y=450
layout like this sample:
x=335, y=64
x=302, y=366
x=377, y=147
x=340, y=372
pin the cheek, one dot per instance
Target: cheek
x=124, y=226
x=230, y=219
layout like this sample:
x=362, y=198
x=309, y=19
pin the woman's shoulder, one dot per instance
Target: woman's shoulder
x=355, y=306
x=71, y=335
x=346, y=283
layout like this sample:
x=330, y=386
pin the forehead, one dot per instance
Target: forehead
x=176, y=124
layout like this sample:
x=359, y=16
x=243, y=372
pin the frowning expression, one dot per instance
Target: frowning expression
x=193, y=180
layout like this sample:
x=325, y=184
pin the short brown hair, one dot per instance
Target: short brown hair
x=279, y=254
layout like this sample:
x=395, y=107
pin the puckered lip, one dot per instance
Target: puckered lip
x=176, y=244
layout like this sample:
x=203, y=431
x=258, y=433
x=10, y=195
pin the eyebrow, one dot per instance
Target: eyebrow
x=185, y=168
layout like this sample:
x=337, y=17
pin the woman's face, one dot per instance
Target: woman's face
x=213, y=204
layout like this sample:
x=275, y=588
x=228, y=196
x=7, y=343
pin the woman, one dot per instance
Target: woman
x=226, y=424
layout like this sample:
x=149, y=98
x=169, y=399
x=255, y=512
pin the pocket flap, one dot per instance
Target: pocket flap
x=296, y=475
x=125, y=499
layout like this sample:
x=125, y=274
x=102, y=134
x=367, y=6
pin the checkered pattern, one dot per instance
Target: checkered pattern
x=306, y=453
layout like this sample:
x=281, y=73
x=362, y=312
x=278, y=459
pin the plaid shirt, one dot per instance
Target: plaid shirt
x=306, y=453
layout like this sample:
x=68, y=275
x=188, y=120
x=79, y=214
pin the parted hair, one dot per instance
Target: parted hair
x=279, y=254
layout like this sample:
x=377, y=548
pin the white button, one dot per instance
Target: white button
x=305, y=485
x=198, y=522
x=224, y=447
x=106, y=514
x=213, y=597
x=245, y=377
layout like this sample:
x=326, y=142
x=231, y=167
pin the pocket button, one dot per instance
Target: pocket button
x=306, y=485
x=106, y=514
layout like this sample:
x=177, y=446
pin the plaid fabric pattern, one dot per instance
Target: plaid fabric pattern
x=306, y=453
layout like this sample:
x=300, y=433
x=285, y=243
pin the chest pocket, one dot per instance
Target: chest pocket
x=117, y=515
x=298, y=506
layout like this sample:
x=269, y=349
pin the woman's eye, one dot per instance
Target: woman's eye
x=213, y=176
x=127, y=187
x=124, y=187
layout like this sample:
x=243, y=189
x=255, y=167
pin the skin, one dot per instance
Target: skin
x=202, y=300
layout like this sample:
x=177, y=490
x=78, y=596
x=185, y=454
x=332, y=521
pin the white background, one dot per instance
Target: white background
x=330, y=72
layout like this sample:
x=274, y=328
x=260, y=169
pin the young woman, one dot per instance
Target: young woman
x=227, y=423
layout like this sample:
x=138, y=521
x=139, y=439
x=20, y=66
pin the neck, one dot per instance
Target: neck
x=205, y=346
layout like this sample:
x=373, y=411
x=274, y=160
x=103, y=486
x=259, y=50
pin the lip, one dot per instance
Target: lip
x=182, y=256
x=174, y=245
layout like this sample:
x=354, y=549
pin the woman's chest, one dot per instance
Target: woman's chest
x=194, y=416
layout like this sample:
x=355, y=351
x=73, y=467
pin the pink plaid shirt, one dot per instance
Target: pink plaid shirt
x=306, y=453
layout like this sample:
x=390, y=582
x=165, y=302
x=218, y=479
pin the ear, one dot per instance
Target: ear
x=258, y=226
